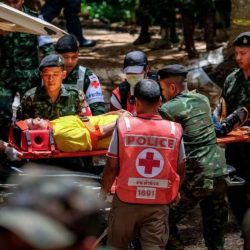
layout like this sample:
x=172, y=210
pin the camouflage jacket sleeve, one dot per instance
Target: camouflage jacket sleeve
x=25, y=109
x=165, y=111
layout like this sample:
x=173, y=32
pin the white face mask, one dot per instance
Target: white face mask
x=134, y=78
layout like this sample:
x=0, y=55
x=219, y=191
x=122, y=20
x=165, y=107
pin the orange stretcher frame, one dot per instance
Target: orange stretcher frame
x=234, y=136
x=59, y=154
x=238, y=135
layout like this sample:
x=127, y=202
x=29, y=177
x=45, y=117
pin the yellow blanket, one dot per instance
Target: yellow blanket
x=71, y=134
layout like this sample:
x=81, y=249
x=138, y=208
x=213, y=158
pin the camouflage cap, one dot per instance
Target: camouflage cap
x=134, y=62
x=172, y=70
x=52, y=60
x=36, y=229
x=242, y=40
x=67, y=43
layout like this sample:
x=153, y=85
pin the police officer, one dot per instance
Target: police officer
x=71, y=9
x=206, y=166
x=18, y=62
x=143, y=162
x=52, y=99
x=236, y=93
x=79, y=76
x=136, y=68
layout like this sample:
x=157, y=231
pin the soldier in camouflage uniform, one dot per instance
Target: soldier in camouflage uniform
x=18, y=62
x=52, y=100
x=236, y=93
x=79, y=76
x=163, y=13
x=205, y=167
x=205, y=9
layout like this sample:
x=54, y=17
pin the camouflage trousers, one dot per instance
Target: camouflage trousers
x=214, y=210
x=159, y=12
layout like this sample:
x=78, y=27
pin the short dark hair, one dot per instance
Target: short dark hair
x=147, y=90
x=67, y=43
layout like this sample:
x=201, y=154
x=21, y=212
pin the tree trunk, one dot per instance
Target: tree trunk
x=240, y=22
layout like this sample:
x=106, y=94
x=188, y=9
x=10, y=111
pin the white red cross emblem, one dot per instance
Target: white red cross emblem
x=149, y=163
x=95, y=84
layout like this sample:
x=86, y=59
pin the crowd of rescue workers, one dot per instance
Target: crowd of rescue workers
x=163, y=157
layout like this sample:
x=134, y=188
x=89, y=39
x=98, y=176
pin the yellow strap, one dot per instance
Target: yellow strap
x=94, y=133
x=241, y=22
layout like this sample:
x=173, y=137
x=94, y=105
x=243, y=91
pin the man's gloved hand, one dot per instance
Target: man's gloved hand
x=12, y=154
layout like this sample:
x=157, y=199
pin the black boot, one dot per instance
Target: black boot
x=86, y=43
x=142, y=39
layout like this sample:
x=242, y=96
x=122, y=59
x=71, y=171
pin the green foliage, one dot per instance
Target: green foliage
x=113, y=10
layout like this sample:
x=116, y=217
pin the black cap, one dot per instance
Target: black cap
x=172, y=70
x=67, y=43
x=53, y=60
x=242, y=40
x=134, y=62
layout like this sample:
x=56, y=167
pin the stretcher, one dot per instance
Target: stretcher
x=59, y=154
x=39, y=144
x=238, y=135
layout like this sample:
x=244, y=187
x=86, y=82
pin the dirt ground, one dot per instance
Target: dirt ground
x=106, y=60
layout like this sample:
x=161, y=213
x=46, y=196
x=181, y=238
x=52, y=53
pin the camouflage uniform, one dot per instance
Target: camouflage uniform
x=90, y=81
x=206, y=167
x=237, y=94
x=190, y=10
x=36, y=103
x=18, y=64
x=19, y=57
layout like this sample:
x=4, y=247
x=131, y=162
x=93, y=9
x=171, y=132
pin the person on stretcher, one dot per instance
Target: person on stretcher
x=73, y=134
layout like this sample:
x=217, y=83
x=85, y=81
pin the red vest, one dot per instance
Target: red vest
x=148, y=156
x=130, y=106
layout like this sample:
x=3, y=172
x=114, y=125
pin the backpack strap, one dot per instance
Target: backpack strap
x=81, y=77
x=124, y=90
